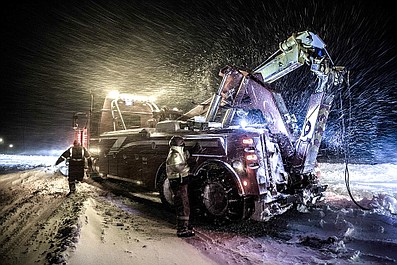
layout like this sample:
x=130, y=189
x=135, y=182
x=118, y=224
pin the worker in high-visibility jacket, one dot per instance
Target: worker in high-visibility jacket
x=177, y=169
x=77, y=156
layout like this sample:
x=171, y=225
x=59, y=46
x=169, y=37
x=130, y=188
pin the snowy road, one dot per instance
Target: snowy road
x=103, y=223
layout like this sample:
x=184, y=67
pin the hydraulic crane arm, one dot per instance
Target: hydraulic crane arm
x=299, y=49
x=303, y=48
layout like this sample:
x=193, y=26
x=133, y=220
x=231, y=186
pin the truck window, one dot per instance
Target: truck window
x=132, y=120
x=248, y=117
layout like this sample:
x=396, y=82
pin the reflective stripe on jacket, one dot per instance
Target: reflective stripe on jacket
x=77, y=155
x=176, y=163
x=74, y=153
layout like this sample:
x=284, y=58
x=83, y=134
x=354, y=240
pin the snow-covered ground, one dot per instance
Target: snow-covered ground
x=377, y=183
x=104, y=224
x=20, y=162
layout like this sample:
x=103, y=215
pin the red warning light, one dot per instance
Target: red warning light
x=251, y=157
x=248, y=141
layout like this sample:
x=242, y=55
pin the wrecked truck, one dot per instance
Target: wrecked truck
x=248, y=158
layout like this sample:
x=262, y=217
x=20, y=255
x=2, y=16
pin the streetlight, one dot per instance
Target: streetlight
x=1, y=144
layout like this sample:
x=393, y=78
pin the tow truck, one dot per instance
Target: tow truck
x=248, y=158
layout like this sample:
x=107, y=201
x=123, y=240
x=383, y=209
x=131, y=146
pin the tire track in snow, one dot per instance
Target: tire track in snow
x=22, y=220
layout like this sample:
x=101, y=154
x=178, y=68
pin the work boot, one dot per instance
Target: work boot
x=70, y=193
x=184, y=229
x=185, y=233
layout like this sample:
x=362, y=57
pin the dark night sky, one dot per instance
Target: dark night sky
x=54, y=53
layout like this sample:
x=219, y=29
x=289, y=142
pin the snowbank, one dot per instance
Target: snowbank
x=12, y=163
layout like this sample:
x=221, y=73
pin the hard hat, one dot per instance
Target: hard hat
x=176, y=141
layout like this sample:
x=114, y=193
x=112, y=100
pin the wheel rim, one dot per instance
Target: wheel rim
x=215, y=198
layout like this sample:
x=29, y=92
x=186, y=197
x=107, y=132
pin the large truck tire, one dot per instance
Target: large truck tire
x=219, y=197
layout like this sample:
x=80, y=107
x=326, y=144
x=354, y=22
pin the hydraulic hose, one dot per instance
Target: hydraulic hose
x=345, y=140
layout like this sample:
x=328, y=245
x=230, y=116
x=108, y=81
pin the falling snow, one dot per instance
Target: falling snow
x=56, y=53
x=59, y=53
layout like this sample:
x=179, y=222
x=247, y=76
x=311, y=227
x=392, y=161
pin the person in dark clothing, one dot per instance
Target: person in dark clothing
x=76, y=155
x=178, y=175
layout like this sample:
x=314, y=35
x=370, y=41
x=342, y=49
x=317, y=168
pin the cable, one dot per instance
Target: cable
x=346, y=144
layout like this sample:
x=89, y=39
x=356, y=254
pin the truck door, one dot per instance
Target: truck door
x=155, y=154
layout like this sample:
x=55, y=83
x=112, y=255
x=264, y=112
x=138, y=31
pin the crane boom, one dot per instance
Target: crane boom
x=303, y=48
